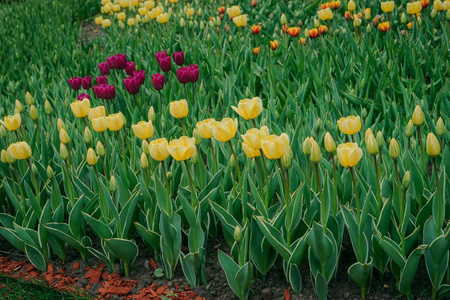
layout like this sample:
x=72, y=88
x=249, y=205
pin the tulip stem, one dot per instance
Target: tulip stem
x=123, y=150
x=104, y=172
x=335, y=203
x=33, y=178
x=69, y=184
x=17, y=136
x=160, y=102
x=106, y=149
x=322, y=201
x=103, y=207
x=169, y=208
x=238, y=170
x=213, y=156
x=191, y=184
x=422, y=160
x=378, y=185
x=358, y=214
x=24, y=204
x=72, y=163
x=185, y=92
x=439, y=221
x=182, y=125
x=287, y=203
x=260, y=178
x=307, y=170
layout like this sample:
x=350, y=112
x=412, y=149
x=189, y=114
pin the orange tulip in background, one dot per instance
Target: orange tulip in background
x=314, y=33
x=384, y=26
x=274, y=45
x=256, y=29
x=294, y=31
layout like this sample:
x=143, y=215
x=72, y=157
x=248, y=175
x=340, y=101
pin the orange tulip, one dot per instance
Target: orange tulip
x=384, y=26
x=256, y=29
x=294, y=31
x=256, y=50
x=274, y=45
x=313, y=33
x=323, y=29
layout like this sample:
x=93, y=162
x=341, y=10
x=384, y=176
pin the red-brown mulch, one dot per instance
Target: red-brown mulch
x=110, y=283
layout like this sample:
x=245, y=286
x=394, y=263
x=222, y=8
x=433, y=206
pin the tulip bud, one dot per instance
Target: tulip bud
x=306, y=33
x=356, y=21
x=169, y=176
x=237, y=233
x=145, y=147
x=182, y=22
x=63, y=152
x=286, y=159
x=440, y=127
x=409, y=130
x=33, y=113
x=447, y=15
x=113, y=187
x=403, y=18
x=100, y=149
x=194, y=158
x=232, y=161
x=29, y=99
x=87, y=136
x=406, y=182
x=380, y=139
x=144, y=161
x=91, y=158
x=369, y=28
x=372, y=145
x=351, y=6
x=48, y=108
x=307, y=146
x=419, y=21
x=330, y=145
x=316, y=154
x=6, y=157
x=60, y=124
x=433, y=146
x=316, y=23
x=2, y=131
x=50, y=173
x=64, y=137
x=197, y=136
x=34, y=169
x=19, y=106
x=394, y=149
x=418, y=117
x=230, y=38
x=433, y=13
x=283, y=19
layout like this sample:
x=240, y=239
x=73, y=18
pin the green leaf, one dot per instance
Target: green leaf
x=100, y=228
x=125, y=250
x=274, y=237
x=36, y=257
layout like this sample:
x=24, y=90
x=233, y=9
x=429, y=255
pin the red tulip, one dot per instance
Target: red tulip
x=132, y=85
x=86, y=82
x=130, y=67
x=164, y=64
x=105, y=68
x=160, y=55
x=105, y=91
x=178, y=58
x=83, y=96
x=101, y=79
x=140, y=76
x=158, y=81
x=75, y=83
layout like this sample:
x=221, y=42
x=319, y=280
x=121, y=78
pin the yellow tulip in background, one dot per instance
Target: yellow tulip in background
x=20, y=150
x=121, y=16
x=179, y=109
x=225, y=130
x=205, y=128
x=274, y=146
x=234, y=11
x=12, y=123
x=325, y=14
x=394, y=149
x=143, y=130
x=414, y=8
x=387, y=6
x=349, y=154
x=131, y=22
x=433, y=146
x=249, y=108
x=162, y=18
x=115, y=122
x=253, y=137
x=96, y=112
x=349, y=125
x=316, y=154
x=240, y=21
x=106, y=23
x=351, y=6
x=249, y=151
x=80, y=109
x=64, y=137
x=182, y=148
x=100, y=124
x=91, y=158
x=330, y=145
x=98, y=20
x=158, y=149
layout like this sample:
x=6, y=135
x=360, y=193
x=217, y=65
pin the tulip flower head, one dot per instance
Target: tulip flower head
x=294, y=31
x=115, y=122
x=314, y=33
x=131, y=85
x=158, y=149
x=163, y=18
x=330, y=145
x=178, y=58
x=105, y=91
x=118, y=61
x=274, y=45
x=100, y=124
x=418, y=117
x=256, y=50
x=205, y=128
x=254, y=136
x=143, y=130
x=249, y=151
x=20, y=150
x=104, y=68
x=351, y=6
x=234, y=11
x=165, y=63
x=158, y=81
x=387, y=6
x=130, y=67
x=440, y=127
x=64, y=137
x=394, y=149
x=240, y=21
x=12, y=123
x=349, y=125
x=83, y=96
x=182, y=149
x=433, y=146
x=349, y=154
x=255, y=29
x=86, y=82
x=179, y=109
x=249, y=109
x=75, y=83
x=413, y=8
x=225, y=130
x=91, y=157
x=384, y=26
x=325, y=14
x=274, y=147
x=80, y=109
x=101, y=79
x=316, y=154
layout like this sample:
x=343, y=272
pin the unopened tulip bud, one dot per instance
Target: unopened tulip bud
x=87, y=136
x=394, y=149
x=230, y=38
x=364, y=111
x=144, y=161
x=440, y=127
x=64, y=137
x=372, y=145
x=197, y=136
x=6, y=157
x=409, y=130
x=50, y=173
x=369, y=28
x=100, y=149
x=182, y=22
x=113, y=187
x=418, y=117
x=286, y=159
x=306, y=33
x=283, y=19
x=194, y=158
x=145, y=147
x=34, y=169
x=29, y=99
x=403, y=18
x=63, y=152
x=307, y=146
x=419, y=21
x=169, y=176
x=2, y=131
x=380, y=140
x=433, y=13
x=447, y=15
x=91, y=158
x=406, y=182
x=232, y=162
x=356, y=21
x=316, y=23
x=330, y=145
x=237, y=233
x=433, y=146
x=316, y=154
x=60, y=124
x=48, y=108
x=19, y=106
x=33, y=113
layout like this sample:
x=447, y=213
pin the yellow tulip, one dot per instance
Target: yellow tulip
x=438, y=5
x=80, y=109
x=316, y=154
x=20, y=150
x=283, y=19
x=349, y=125
x=387, y=6
x=99, y=20
x=433, y=146
x=306, y=146
x=225, y=130
x=149, y=4
x=349, y=154
x=325, y=14
x=394, y=149
x=116, y=7
x=143, y=10
x=143, y=130
x=106, y=23
x=12, y=123
x=64, y=137
x=250, y=151
x=19, y=106
x=351, y=5
x=253, y=137
x=330, y=145
x=418, y=117
x=100, y=124
x=182, y=148
x=144, y=161
x=121, y=16
x=96, y=112
x=274, y=146
x=414, y=8
x=372, y=145
x=6, y=158
x=91, y=158
x=173, y=1
x=134, y=2
x=29, y=99
x=115, y=122
x=440, y=127
x=409, y=130
x=179, y=109
x=249, y=108
x=123, y=3
x=60, y=124
x=162, y=18
x=190, y=11
x=205, y=128
x=240, y=21
x=131, y=22
x=158, y=149
x=234, y=11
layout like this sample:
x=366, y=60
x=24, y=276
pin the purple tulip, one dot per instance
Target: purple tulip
x=101, y=79
x=130, y=67
x=118, y=61
x=140, y=76
x=161, y=54
x=158, y=81
x=132, y=85
x=193, y=73
x=86, y=82
x=75, y=83
x=105, y=68
x=83, y=96
x=178, y=58
x=164, y=64
x=183, y=75
x=105, y=91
